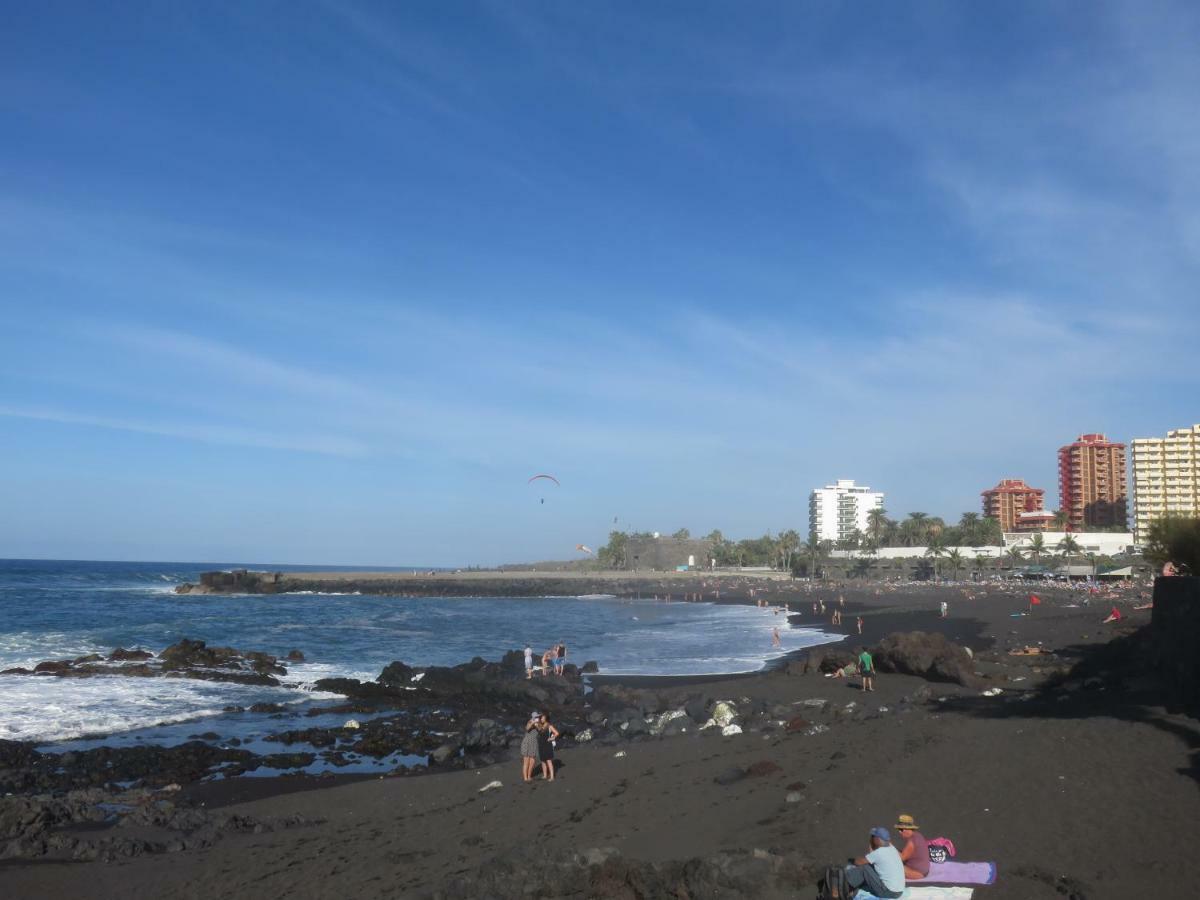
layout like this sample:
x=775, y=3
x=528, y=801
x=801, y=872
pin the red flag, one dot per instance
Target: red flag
x=1034, y=600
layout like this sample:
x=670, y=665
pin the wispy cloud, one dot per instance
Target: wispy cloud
x=329, y=445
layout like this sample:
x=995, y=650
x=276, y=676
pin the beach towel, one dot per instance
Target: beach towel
x=962, y=872
x=925, y=892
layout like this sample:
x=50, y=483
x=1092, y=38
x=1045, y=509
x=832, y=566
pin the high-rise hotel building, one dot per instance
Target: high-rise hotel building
x=1017, y=506
x=836, y=511
x=1091, y=483
x=1166, y=478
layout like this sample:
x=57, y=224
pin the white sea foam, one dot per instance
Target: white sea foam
x=51, y=709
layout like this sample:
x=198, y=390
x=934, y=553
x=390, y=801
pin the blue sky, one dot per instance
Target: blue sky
x=326, y=282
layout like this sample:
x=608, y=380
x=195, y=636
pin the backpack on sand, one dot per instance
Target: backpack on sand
x=833, y=886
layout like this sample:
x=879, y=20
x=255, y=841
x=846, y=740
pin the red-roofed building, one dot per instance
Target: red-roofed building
x=1091, y=483
x=1011, y=501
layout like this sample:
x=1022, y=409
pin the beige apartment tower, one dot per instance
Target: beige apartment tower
x=1166, y=478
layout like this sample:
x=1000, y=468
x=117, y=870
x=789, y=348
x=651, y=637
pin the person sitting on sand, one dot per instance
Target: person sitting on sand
x=847, y=670
x=915, y=854
x=529, y=747
x=881, y=871
x=1114, y=616
x=547, y=734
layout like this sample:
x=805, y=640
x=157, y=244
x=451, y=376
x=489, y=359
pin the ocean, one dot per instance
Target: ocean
x=65, y=609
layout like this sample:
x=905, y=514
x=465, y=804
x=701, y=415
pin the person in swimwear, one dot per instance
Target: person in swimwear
x=915, y=854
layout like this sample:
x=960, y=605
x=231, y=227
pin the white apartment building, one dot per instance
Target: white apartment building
x=836, y=511
x=1166, y=477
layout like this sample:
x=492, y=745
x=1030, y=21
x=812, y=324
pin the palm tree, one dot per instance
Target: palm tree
x=877, y=523
x=981, y=562
x=1016, y=555
x=1068, y=546
x=1060, y=520
x=935, y=551
x=913, y=529
x=969, y=526
x=815, y=550
x=955, y=558
x=1037, y=546
x=789, y=542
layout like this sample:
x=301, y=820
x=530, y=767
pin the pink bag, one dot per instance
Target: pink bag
x=941, y=850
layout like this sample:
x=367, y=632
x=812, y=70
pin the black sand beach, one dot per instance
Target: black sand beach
x=1078, y=779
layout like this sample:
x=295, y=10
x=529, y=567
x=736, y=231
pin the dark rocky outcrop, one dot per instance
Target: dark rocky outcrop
x=92, y=824
x=926, y=655
x=123, y=655
x=185, y=659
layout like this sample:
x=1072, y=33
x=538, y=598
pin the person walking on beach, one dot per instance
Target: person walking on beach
x=775, y=642
x=860, y=624
x=945, y=609
x=547, y=735
x=866, y=665
x=528, y=662
x=529, y=747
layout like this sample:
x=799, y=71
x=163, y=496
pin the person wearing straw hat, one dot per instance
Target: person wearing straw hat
x=915, y=854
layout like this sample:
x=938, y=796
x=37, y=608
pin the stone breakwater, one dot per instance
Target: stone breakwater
x=479, y=584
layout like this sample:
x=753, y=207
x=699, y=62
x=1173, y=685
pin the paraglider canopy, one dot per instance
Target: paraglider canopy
x=540, y=476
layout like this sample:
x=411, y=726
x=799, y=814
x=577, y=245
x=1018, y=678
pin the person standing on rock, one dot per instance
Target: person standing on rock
x=547, y=735
x=866, y=665
x=528, y=662
x=560, y=661
x=529, y=747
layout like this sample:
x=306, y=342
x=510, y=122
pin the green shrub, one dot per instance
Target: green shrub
x=1177, y=540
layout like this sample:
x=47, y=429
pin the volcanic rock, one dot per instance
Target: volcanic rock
x=927, y=655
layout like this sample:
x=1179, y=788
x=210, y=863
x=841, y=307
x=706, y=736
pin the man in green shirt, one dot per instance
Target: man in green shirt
x=866, y=665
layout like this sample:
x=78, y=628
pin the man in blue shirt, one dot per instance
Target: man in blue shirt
x=881, y=871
